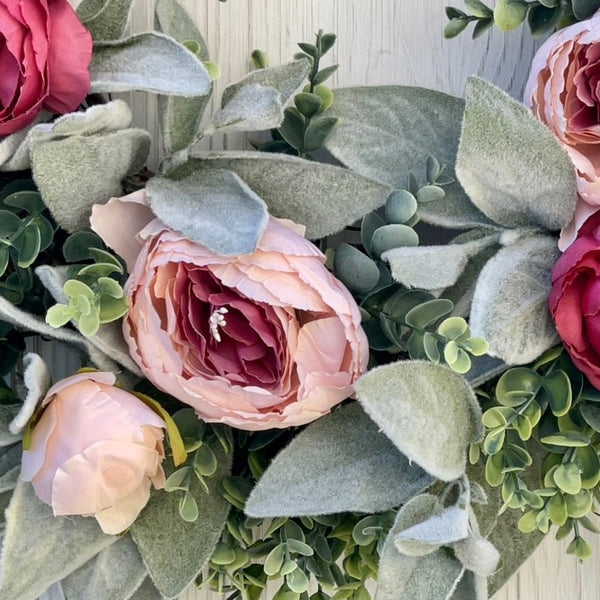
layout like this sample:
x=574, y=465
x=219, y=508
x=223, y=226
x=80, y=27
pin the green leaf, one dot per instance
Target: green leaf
x=418, y=578
x=296, y=189
x=400, y=207
x=214, y=208
x=116, y=572
x=292, y=127
x=340, y=471
x=53, y=546
x=568, y=439
x=9, y=223
x=28, y=245
x=70, y=186
x=427, y=313
x=274, y=560
x=318, y=132
x=509, y=14
x=256, y=102
x=387, y=131
x=179, y=117
x=392, y=236
x=511, y=165
x=140, y=62
x=108, y=23
x=324, y=74
x=355, y=269
x=510, y=303
x=29, y=200
x=410, y=399
x=434, y=267
x=583, y=9
x=543, y=20
x=478, y=9
x=163, y=538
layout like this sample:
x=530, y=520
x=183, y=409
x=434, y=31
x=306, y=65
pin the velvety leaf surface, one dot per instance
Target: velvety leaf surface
x=7, y=413
x=50, y=547
x=179, y=117
x=387, y=131
x=510, y=303
x=428, y=411
x=430, y=577
x=115, y=573
x=107, y=23
x=214, y=208
x=140, y=63
x=347, y=465
x=322, y=197
x=257, y=101
x=510, y=164
x=164, y=539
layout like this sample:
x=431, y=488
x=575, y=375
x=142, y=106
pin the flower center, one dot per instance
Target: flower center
x=217, y=320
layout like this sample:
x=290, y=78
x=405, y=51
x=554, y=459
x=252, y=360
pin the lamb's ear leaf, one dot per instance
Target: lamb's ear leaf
x=386, y=132
x=510, y=302
x=511, y=165
x=164, y=539
x=105, y=19
x=52, y=546
x=434, y=575
x=230, y=217
x=322, y=197
x=115, y=572
x=180, y=117
x=347, y=465
x=76, y=172
x=256, y=102
x=140, y=63
x=410, y=400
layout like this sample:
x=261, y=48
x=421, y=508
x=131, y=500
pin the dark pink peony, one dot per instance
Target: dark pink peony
x=575, y=299
x=45, y=53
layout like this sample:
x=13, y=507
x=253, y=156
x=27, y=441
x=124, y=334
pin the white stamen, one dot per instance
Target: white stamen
x=217, y=320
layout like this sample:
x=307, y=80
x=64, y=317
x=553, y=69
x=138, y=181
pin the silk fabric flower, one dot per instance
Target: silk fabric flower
x=95, y=451
x=45, y=53
x=575, y=299
x=563, y=92
x=257, y=341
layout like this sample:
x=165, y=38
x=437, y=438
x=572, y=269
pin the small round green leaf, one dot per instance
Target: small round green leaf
x=355, y=269
x=400, y=207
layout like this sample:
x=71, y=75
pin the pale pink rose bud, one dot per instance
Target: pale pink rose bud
x=95, y=451
x=258, y=341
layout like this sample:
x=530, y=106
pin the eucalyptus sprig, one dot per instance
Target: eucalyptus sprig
x=547, y=407
x=543, y=16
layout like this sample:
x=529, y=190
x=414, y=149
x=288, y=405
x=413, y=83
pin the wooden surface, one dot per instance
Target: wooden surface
x=380, y=42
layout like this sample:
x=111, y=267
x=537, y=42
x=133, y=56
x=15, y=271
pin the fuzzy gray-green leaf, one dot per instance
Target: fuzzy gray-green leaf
x=346, y=465
x=179, y=117
x=429, y=577
x=386, y=132
x=52, y=546
x=433, y=267
x=510, y=164
x=510, y=302
x=256, y=102
x=214, y=208
x=164, y=539
x=322, y=197
x=429, y=412
x=108, y=23
x=114, y=573
x=140, y=63
x=77, y=172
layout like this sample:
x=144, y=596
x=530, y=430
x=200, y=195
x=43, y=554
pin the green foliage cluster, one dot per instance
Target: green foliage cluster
x=305, y=126
x=543, y=16
x=547, y=409
x=94, y=291
x=199, y=439
x=26, y=238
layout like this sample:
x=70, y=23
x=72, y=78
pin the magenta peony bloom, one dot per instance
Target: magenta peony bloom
x=261, y=340
x=45, y=53
x=563, y=92
x=575, y=299
x=95, y=451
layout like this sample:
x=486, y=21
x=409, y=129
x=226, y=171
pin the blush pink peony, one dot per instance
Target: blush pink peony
x=563, y=92
x=45, y=53
x=257, y=341
x=95, y=451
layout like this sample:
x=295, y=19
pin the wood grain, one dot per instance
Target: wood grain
x=379, y=42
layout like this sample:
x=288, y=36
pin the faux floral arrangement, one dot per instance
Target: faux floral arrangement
x=256, y=407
